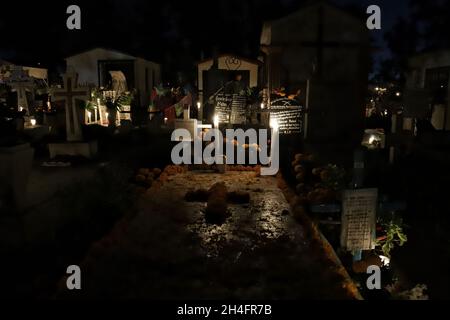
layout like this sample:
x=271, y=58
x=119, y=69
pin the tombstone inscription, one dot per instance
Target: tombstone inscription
x=359, y=219
x=238, y=109
x=289, y=116
x=222, y=107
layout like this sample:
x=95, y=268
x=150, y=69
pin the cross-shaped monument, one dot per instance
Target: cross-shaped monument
x=321, y=43
x=21, y=83
x=70, y=93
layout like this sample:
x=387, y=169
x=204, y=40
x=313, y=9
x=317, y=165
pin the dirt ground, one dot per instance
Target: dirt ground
x=169, y=251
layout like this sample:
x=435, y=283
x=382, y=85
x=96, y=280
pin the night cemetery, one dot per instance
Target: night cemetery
x=264, y=151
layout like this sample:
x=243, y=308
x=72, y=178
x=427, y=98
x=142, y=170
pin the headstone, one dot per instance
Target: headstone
x=289, y=114
x=238, y=109
x=74, y=145
x=359, y=219
x=70, y=93
x=223, y=107
x=21, y=83
x=231, y=108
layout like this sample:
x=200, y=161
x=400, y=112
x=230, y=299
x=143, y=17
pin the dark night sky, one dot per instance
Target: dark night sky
x=171, y=32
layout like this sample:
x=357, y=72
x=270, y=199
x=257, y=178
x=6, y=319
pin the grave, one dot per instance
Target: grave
x=289, y=115
x=326, y=60
x=216, y=72
x=231, y=109
x=21, y=83
x=359, y=208
x=74, y=146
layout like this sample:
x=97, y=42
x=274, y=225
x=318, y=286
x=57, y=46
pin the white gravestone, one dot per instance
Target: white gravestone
x=359, y=219
x=21, y=83
x=70, y=93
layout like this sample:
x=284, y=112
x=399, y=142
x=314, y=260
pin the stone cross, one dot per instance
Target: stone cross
x=70, y=93
x=321, y=44
x=21, y=83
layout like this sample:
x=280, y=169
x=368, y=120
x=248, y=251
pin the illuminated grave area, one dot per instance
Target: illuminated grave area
x=174, y=230
x=229, y=149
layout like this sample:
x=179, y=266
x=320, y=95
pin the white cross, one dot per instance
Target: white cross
x=21, y=82
x=70, y=94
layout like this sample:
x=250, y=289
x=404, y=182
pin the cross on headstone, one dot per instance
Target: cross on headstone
x=321, y=43
x=70, y=93
x=21, y=83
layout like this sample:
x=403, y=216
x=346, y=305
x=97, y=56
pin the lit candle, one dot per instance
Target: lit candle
x=89, y=116
x=165, y=120
x=274, y=143
x=33, y=122
x=216, y=138
x=20, y=109
x=262, y=106
x=199, y=105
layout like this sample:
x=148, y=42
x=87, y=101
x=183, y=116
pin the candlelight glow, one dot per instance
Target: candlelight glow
x=199, y=105
x=33, y=122
x=262, y=105
x=216, y=121
x=274, y=124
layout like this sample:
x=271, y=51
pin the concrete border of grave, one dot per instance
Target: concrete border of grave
x=87, y=149
x=15, y=169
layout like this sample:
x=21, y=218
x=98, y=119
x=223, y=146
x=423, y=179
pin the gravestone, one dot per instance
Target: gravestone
x=238, y=109
x=21, y=83
x=231, y=108
x=69, y=94
x=75, y=146
x=289, y=114
x=223, y=107
x=359, y=219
